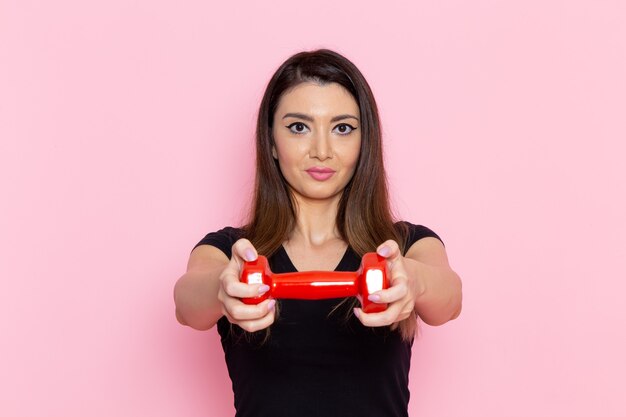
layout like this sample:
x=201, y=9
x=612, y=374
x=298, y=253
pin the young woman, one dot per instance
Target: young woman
x=320, y=203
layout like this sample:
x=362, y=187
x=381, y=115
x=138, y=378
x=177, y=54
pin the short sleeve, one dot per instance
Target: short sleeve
x=417, y=232
x=222, y=239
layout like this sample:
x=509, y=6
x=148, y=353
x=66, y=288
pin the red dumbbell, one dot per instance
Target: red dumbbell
x=316, y=285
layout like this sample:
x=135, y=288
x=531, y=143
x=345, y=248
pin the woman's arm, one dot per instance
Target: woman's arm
x=438, y=294
x=211, y=289
x=195, y=293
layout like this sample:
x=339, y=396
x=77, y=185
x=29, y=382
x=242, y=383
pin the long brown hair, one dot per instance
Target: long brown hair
x=364, y=218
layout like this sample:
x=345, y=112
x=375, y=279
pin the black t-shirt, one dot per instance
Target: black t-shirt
x=316, y=362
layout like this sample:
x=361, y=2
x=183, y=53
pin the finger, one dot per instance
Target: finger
x=260, y=324
x=228, y=316
x=357, y=313
x=397, y=291
x=240, y=311
x=384, y=318
x=373, y=319
x=389, y=249
x=242, y=250
x=399, y=286
x=405, y=314
x=233, y=287
x=237, y=289
x=229, y=312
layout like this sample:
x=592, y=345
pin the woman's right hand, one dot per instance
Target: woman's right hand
x=249, y=317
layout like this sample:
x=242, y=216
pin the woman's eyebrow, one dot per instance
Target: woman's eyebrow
x=342, y=117
x=310, y=119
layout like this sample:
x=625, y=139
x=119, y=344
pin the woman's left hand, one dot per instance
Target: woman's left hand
x=400, y=296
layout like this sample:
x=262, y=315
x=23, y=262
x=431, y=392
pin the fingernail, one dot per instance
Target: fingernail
x=249, y=255
x=270, y=305
x=357, y=313
x=384, y=251
x=264, y=288
x=374, y=297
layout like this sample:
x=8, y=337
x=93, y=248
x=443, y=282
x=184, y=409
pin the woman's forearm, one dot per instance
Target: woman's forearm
x=439, y=296
x=195, y=295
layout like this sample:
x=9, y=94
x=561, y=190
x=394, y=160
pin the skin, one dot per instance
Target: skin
x=317, y=126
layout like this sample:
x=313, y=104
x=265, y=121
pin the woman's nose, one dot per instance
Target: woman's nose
x=321, y=147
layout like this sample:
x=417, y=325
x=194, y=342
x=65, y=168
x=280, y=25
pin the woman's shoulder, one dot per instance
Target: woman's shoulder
x=222, y=239
x=414, y=232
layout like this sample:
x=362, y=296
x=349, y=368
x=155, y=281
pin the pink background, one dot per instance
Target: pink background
x=126, y=135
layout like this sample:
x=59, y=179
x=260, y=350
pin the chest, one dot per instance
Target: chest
x=324, y=258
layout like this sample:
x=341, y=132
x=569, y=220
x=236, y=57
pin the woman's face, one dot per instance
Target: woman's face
x=317, y=136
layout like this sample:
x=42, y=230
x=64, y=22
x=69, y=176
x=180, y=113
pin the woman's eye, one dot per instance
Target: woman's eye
x=297, y=128
x=344, y=129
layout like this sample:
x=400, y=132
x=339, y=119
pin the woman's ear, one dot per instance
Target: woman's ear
x=274, y=154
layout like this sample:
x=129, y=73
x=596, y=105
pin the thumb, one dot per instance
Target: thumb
x=243, y=251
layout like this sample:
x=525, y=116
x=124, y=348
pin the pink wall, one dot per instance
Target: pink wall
x=126, y=135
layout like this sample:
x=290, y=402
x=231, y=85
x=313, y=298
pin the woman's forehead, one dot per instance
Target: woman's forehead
x=317, y=100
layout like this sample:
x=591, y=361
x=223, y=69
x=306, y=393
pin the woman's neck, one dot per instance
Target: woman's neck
x=314, y=244
x=316, y=222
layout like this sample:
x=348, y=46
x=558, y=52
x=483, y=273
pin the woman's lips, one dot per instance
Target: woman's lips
x=320, y=174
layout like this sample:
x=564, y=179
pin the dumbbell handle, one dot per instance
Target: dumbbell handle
x=314, y=285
